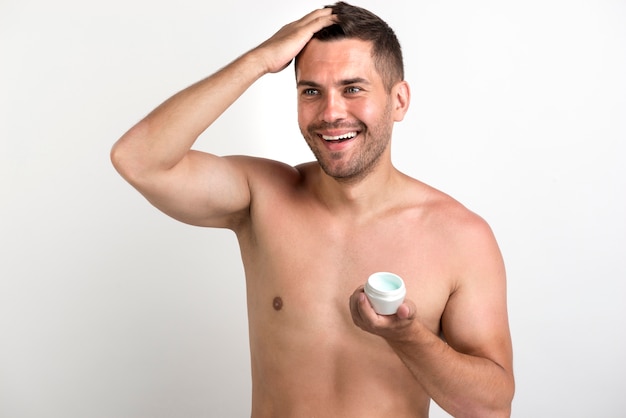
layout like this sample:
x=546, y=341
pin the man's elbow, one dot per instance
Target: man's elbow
x=501, y=410
x=501, y=403
x=126, y=155
x=496, y=405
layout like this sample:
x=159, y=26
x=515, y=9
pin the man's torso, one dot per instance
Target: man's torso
x=302, y=263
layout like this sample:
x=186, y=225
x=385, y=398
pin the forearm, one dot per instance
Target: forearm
x=463, y=385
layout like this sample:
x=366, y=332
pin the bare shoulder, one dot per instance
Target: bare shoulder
x=269, y=182
x=472, y=251
x=451, y=217
x=261, y=166
x=264, y=173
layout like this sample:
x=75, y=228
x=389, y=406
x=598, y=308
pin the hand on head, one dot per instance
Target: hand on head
x=279, y=50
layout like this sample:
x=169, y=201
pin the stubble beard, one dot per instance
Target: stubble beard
x=372, y=145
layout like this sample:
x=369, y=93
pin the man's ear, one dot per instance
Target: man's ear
x=401, y=96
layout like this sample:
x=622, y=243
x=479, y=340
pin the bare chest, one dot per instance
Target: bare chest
x=302, y=265
x=315, y=262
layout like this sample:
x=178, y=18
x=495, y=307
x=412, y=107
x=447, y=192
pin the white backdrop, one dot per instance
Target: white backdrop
x=110, y=309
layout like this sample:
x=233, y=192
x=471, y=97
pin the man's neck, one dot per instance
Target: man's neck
x=361, y=197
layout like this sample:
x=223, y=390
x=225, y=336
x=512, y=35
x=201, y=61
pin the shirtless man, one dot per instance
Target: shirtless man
x=317, y=347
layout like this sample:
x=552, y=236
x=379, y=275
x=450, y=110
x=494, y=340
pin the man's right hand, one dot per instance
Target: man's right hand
x=278, y=51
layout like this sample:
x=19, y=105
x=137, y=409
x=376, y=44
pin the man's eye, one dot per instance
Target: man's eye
x=310, y=92
x=353, y=90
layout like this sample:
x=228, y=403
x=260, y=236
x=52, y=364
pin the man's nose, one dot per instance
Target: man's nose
x=334, y=107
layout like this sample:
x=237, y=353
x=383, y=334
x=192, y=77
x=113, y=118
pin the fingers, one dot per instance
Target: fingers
x=317, y=20
x=355, y=300
x=279, y=50
x=386, y=326
x=358, y=308
x=319, y=15
x=363, y=315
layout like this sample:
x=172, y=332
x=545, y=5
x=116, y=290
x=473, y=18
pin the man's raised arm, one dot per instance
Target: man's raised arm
x=155, y=155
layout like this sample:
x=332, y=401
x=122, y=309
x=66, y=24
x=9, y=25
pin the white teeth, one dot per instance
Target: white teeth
x=349, y=135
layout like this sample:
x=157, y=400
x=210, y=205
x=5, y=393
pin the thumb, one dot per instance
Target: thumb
x=406, y=310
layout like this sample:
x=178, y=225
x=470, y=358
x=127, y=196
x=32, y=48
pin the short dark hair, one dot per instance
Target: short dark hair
x=359, y=23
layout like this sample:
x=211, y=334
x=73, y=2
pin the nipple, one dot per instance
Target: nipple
x=277, y=303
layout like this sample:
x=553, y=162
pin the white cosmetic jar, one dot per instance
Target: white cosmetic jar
x=385, y=291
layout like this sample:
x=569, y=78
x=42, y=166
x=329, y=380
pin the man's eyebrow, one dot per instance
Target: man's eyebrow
x=355, y=80
x=307, y=83
x=346, y=82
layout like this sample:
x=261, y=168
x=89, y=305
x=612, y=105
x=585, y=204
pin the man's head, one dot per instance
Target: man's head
x=356, y=22
x=351, y=91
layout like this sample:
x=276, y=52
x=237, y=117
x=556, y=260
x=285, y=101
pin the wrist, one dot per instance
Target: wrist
x=256, y=60
x=412, y=333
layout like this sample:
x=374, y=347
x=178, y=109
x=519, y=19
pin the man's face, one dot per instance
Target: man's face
x=344, y=112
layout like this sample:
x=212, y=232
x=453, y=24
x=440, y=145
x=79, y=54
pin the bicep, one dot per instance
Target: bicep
x=475, y=320
x=202, y=189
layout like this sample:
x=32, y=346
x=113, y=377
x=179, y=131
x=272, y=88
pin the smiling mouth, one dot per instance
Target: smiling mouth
x=339, y=138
